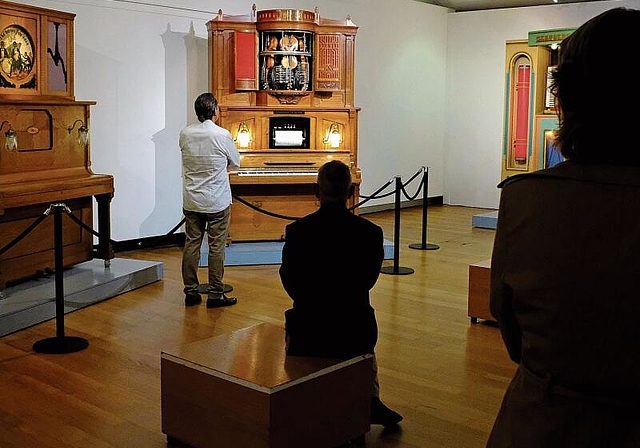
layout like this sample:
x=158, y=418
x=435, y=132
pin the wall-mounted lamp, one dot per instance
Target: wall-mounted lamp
x=554, y=46
x=243, y=137
x=83, y=132
x=10, y=137
x=333, y=139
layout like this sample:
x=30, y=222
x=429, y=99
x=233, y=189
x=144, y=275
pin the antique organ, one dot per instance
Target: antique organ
x=530, y=116
x=44, y=147
x=284, y=80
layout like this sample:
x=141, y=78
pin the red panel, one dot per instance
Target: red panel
x=521, y=137
x=245, y=55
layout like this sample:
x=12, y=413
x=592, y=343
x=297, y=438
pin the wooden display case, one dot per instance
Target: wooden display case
x=44, y=149
x=284, y=81
x=529, y=103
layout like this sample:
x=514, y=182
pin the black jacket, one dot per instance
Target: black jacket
x=330, y=260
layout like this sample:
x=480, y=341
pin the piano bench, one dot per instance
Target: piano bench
x=240, y=390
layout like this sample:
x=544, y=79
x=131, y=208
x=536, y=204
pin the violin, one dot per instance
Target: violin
x=289, y=43
x=303, y=66
x=271, y=46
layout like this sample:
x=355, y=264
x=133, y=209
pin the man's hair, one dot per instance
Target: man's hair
x=205, y=106
x=596, y=92
x=334, y=181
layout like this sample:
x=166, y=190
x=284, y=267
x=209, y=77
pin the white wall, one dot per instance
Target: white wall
x=475, y=90
x=145, y=62
x=429, y=82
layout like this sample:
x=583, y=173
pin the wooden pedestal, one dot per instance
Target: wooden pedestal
x=478, y=303
x=241, y=390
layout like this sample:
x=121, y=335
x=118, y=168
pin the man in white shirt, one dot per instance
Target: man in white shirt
x=207, y=151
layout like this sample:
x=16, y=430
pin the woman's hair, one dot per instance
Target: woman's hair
x=596, y=90
x=334, y=181
x=205, y=106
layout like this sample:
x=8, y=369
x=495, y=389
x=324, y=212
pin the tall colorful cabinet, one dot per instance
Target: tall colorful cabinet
x=530, y=118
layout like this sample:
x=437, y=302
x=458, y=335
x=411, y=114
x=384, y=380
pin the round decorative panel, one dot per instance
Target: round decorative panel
x=17, y=58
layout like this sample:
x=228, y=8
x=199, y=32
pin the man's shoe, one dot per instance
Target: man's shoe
x=382, y=415
x=220, y=300
x=192, y=298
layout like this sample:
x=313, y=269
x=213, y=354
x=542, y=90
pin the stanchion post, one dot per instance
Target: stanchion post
x=59, y=267
x=395, y=269
x=60, y=343
x=425, y=200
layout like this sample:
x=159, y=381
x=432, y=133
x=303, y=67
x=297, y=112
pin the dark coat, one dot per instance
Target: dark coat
x=565, y=290
x=330, y=260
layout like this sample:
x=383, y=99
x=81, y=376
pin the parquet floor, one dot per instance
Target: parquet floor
x=445, y=375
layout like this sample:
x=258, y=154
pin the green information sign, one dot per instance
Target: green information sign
x=548, y=37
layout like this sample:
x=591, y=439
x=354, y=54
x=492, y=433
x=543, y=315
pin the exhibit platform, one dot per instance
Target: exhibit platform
x=487, y=220
x=261, y=252
x=33, y=301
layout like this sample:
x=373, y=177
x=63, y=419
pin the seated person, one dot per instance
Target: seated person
x=330, y=260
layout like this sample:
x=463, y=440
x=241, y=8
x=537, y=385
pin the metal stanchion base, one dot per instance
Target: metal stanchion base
x=425, y=246
x=396, y=270
x=60, y=344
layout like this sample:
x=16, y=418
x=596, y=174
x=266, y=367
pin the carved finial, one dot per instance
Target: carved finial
x=253, y=12
x=348, y=20
x=317, y=14
x=253, y=7
x=220, y=14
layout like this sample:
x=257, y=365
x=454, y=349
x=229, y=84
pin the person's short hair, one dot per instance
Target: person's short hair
x=334, y=180
x=597, y=96
x=205, y=106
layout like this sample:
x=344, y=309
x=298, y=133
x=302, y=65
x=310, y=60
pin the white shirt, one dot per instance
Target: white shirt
x=207, y=150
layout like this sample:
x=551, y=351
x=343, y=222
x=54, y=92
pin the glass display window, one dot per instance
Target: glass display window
x=286, y=60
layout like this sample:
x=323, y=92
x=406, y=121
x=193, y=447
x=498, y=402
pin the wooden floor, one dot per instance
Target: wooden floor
x=445, y=375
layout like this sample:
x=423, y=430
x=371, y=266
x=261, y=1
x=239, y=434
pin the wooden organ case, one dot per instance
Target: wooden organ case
x=44, y=147
x=530, y=115
x=284, y=80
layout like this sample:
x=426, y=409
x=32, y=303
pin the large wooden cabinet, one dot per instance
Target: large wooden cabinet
x=44, y=146
x=530, y=118
x=284, y=80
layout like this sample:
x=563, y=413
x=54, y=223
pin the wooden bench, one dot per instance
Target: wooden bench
x=478, y=299
x=241, y=390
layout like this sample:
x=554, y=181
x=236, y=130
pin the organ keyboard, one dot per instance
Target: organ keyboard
x=274, y=172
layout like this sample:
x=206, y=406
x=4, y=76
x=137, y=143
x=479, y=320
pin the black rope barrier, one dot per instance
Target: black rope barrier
x=399, y=187
x=373, y=196
x=261, y=210
x=290, y=218
x=404, y=191
x=25, y=232
x=175, y=229
x=386, y=195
